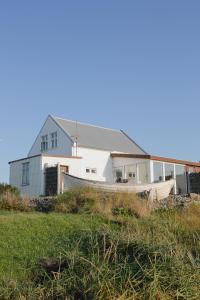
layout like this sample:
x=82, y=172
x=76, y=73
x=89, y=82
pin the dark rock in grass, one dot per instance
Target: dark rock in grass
x=48, y=268
x=44, y=204
x=52, y=265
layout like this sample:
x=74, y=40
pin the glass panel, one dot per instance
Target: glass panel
x=44, y=143
x=158, y=171
x=169, y=171
x=54, y=139
x=118, y=174
x=142, y=173
x=181, y=182
x=25, y=173
x=131, y=173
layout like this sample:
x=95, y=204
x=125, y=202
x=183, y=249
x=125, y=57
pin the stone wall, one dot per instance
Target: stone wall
x=194, y=183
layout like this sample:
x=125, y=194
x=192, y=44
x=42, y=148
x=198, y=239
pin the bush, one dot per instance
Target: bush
x=4, y=188
x=44, y=205
x=76, y=200
x=10, y=199
x=90, y=200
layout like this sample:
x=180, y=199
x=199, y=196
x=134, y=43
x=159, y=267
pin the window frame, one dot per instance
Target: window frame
x=54, y=139
x=25, y=173
x=93, y=171
x=44, y=143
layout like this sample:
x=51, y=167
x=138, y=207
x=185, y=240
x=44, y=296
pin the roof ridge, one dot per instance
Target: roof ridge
x=88, y=124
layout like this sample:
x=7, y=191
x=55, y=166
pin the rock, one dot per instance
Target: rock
x=195, y=197
x=172, y=201
x=52, y=265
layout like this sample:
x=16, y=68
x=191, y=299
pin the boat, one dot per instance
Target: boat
x=155, y=191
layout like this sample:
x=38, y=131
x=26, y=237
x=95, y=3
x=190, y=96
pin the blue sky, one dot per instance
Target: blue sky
x=132, y=65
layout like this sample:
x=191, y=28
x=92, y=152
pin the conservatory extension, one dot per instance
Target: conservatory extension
x=140, y=169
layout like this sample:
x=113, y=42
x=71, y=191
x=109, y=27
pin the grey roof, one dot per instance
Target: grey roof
x=98, y=137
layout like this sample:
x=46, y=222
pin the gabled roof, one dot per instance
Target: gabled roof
x=96, y=137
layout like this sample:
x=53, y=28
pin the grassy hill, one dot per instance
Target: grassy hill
x=91, y=255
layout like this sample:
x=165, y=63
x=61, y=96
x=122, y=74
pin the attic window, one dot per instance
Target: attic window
x=44, y=143
x=54, y=140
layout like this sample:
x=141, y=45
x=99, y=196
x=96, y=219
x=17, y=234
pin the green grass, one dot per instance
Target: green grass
x=118, y=257
x=25, y=237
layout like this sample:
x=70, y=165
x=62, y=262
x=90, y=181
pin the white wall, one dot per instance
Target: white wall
x=98, y=159
x=74, y=165
x=35, y=179
x=37, y=169
x=64, y=143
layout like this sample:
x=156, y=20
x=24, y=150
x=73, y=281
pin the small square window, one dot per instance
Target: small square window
x=94, y=171
x=87, y=170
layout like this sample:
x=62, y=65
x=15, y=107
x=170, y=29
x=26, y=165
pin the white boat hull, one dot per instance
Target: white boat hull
x=156, y=191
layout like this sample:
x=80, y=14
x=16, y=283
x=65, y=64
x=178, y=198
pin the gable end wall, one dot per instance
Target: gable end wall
x=64, y=142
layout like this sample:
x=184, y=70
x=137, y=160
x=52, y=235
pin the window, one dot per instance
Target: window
x=181, y=179
x=91, y=170
x=130, y=172
x=169, y=171
x=131, y=175
x=158, y=171
x=143, y=173
x=25, y=173
x=54, y=140
x=118, y=175
x=44, y=143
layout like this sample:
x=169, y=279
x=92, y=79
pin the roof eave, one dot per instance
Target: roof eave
x=157, y=158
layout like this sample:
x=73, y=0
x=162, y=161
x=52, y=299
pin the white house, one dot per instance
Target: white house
x=90, y=152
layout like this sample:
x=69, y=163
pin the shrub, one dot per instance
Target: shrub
x=44, y=205
x=10, y=201
x=4, y=188
x=76, y=200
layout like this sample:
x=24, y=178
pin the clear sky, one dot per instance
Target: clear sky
x=132, y=65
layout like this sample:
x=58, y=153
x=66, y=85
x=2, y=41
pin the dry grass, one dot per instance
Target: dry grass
x=104, y=203
x=11, y=201
x=189, y=217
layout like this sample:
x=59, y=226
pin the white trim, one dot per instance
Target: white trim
x=164, y=171
x=151, y=171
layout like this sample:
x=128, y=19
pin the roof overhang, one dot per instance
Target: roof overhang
x=157, y=158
